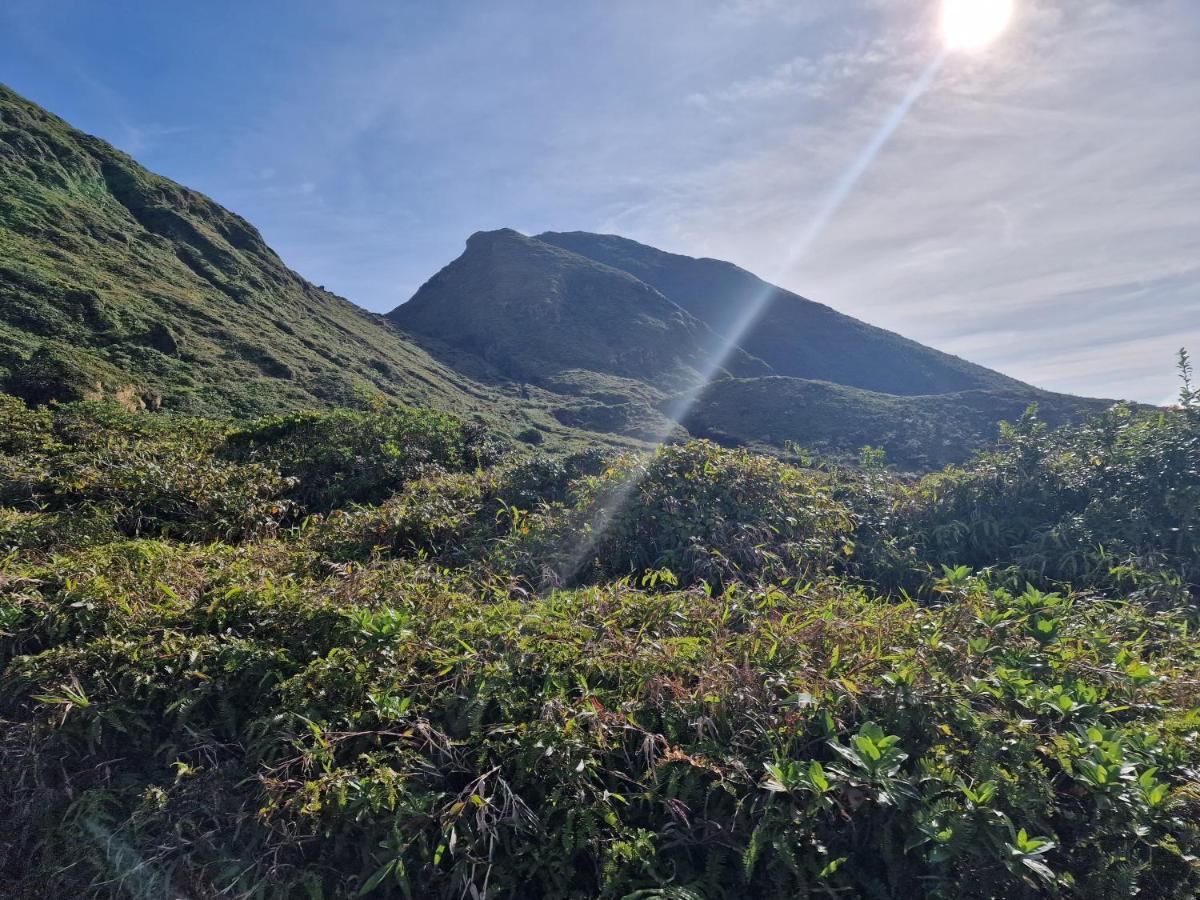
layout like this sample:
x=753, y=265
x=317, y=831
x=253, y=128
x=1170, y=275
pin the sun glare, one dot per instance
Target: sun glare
x=973, y=24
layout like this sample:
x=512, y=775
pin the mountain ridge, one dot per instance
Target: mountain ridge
x=842, y=349
x=531, y=309
x=122, y=285
x=119, y=284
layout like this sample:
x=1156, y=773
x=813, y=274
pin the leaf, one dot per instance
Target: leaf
x=816, y=774
x=832, y=866
x=377, y=878
x=1038, y=867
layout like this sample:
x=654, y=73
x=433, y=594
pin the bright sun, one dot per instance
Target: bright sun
x=973, y=24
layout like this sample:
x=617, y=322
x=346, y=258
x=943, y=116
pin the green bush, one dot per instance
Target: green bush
x=703, y=512
x=30, y=532
x=168, y=491
x=395, y=731
x=1105, y=505
x=51, y=375
x=447, y=515
x=23, y=430
x=360, y=457
x=148, y=475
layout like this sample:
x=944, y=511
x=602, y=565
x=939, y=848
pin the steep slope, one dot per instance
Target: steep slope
x=795, y=336
x=636, y=338
x=538, y=313
x=117, y=282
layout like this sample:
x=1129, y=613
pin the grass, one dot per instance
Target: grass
x=794, y=337
x=916, y=433
x=121, y=285
x=287, y=636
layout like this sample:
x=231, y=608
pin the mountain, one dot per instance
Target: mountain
x=535, y=312
x=121, y=284
x=649, y=343
x=794, y=336
x=116, y=282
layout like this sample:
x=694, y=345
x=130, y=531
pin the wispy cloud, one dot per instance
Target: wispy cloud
x=754, y=12
x=142, y=137
x=1038, y=209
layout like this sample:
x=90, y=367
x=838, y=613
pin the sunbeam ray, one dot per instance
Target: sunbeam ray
x=678, y=411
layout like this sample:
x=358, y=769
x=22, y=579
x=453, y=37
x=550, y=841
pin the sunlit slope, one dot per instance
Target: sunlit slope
x=118, y=283
x=795, y=336
x=115, y=281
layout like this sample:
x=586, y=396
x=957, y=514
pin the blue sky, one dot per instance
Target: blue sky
x=1037, y=210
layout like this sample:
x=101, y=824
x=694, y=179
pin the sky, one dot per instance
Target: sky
x=1036, y=208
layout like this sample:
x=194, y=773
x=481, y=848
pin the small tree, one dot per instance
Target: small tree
x=1189, y=396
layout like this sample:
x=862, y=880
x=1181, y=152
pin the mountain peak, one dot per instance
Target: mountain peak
x=537, y=311
x=498, y=235
x=119, y=283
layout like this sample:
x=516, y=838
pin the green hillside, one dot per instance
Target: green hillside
x=914, y=432
x=630, y=332
x=535, y=311
x=268, y=633
x=116, y=282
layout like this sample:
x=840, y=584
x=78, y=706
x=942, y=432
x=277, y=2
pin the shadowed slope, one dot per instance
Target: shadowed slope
x=535, y=312
x=916, y=432
x=795, y=336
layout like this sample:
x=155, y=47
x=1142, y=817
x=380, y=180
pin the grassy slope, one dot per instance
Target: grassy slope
x=127, y=282
x=795, y=336
x=917, y=432
x=116, y=282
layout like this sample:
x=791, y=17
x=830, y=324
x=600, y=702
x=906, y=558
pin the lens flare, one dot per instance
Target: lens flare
x=969, y=25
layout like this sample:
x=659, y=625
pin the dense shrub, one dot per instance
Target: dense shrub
x=360, y=457
x=22, y=430
x=33, y=532
x=1104, y=505
x=174, y=491
x=446, y=515
x=703, y=512
x=394, y=731
x=50, y=375
x=454, y=517
x=640, y=677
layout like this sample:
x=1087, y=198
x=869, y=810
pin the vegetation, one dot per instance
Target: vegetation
x=917, y=433
x=369, y=653
x=266, y=632
x=534, y=311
